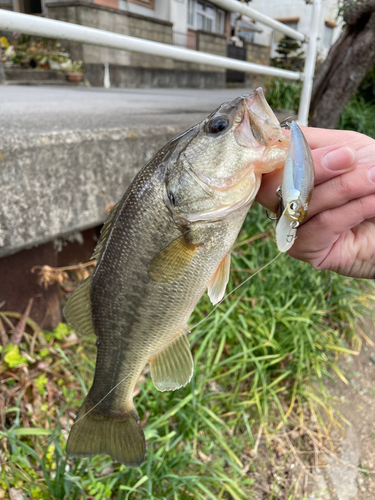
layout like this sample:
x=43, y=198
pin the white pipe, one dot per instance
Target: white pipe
x=304, y=104
x=32, y=25
x=106, y=79
x=241, y=8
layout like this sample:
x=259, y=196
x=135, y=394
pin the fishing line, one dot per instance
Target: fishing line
x=234, y=289
x=161, y=349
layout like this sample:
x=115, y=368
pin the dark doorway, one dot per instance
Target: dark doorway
x=236, y=53
x=32, y=6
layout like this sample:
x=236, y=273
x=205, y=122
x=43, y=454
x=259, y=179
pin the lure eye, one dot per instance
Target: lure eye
x=218, y=124
x=294, y=206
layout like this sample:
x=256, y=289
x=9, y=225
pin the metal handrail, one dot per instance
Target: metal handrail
x=50, y=28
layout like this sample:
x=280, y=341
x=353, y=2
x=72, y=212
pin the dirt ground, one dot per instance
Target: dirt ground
x=351, y=476
x=298, y=464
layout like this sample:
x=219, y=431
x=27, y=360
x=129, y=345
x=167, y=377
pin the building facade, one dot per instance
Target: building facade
x=192, y=24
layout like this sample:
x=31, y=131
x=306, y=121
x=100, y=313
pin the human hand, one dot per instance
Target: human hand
x=338, y=232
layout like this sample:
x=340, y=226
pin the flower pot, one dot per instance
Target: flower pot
x=8, y=64
x=74, y=77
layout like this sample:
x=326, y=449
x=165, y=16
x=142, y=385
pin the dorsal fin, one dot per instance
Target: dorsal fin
x=107, y=226
x=77, y=310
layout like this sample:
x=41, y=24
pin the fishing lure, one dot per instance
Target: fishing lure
x=296, y=189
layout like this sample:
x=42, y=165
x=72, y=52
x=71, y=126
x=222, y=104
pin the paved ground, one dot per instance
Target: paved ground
x=34, y=110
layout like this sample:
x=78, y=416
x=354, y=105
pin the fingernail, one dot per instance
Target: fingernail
x=371, y=174
x=339, y=159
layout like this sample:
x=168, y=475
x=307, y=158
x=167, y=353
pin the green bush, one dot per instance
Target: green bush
x=283, y=94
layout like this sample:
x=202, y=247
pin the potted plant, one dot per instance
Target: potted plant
x=6, y=52
x=73, y=71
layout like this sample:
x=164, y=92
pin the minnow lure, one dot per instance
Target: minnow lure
x=296, y=189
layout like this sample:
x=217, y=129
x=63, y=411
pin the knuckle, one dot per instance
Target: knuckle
x=323, y=219
x=342, y=184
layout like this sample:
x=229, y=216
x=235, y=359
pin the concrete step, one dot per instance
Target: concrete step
x=57, y=83
x=32, y=75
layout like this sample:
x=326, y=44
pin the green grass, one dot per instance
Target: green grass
x=359, y=115
x=261, y=359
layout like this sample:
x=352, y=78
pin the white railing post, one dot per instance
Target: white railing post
x=304, y=104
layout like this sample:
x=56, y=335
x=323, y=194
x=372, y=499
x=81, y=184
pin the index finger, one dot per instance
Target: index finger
x=321, y=137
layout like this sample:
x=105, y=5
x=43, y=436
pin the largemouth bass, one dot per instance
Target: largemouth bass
x=163, y=245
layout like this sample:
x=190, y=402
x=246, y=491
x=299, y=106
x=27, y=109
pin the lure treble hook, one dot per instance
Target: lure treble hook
x=281, y=205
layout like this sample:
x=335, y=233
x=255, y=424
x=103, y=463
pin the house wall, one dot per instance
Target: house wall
x=259, y=54
x=104, y=18
x=144, y=67
x=296, y=8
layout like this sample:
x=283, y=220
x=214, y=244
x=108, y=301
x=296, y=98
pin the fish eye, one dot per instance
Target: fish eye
x=172, y=198
x=218, y=124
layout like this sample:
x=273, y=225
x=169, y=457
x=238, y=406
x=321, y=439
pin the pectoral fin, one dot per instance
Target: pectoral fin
x=172, y=368
x=285, y=234
x=217, y=285
x=171, y=263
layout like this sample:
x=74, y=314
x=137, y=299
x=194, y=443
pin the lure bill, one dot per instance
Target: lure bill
x=163, y=245
x=296, y=189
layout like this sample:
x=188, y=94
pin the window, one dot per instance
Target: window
x=191, y=13
x=204, y=16
x=293, y=23
x=220, y=20
x=327, y=37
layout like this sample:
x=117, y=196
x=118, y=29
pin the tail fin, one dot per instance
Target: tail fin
x=121, y=437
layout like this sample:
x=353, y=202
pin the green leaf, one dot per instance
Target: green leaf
x=61, y=331
x=12, y=356
x=24, y=431
x=41, y=383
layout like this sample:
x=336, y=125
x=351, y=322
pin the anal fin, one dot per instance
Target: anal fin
x=173, y=367
x=219, y=281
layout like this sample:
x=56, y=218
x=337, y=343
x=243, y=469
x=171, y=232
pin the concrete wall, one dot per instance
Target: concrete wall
x=212, y=43
x=51, y=183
